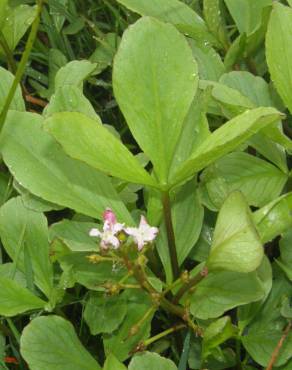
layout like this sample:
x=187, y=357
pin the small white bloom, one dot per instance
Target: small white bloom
x=143, y=234
x=110, y=229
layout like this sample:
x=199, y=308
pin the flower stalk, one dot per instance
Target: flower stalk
x=163, y=334
x=190, y=284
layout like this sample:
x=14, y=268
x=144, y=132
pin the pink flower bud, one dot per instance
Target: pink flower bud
x=109, y=216
x=111, y=228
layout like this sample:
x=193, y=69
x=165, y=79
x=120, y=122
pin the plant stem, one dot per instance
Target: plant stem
x=135, y=328
x=22, y=64
x=276, y=352
x=157, y=297
x=170, y=234
x=36, y=101
x=190, y=284
x=164, y=333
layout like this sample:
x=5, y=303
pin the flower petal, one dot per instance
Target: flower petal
x=94, y=232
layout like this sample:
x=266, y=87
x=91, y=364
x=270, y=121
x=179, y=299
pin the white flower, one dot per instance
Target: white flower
x=143, y=234
x=110, y=229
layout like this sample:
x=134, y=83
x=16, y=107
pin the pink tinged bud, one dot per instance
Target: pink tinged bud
x=109, y=216
x=143, y=234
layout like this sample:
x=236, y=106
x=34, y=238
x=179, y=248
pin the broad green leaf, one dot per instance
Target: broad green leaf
x=258, y=180
x=228, y=102
x=8, y=269
x=279, y=52
x=235, y=52
x=246, y=313
x=172, y=11
x=38, y=163
x=287, y=366
x=247, y=13
x=223, y=290
x=17, y=21
x=225, y=139
x=225, y=359
x=222, y=359
x=111, y=363
x=75, y=26
x=69, y=98
x=270, y=150
x=202, y=248
x=91, y=275
x=275, y=218
x=75, y=235
x=187, y=217
x=154, y=83
x=3, y=11
x=25, y=231
x=286, y=310
x=89, y=141
x=217, y=333
x=150, y=361
x=51, y=343
x=236, y=244
x=275, y=133
x=215, y=21
x=105, y=51
x=14, y=299
x=33, y=202
x=256, y=90
x=265, y=331
x=119, y=343
x=195, y=130
x=210, y=65
x=103, y=314
x=255, y=40
x=58, y=12
x=6, y=79
x=253, y=87
x=74, y=73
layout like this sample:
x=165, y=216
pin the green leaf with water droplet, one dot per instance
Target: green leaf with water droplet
x=175, y=12
x=225, y=139
x=16, y=22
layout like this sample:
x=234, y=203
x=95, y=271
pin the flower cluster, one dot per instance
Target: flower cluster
x=109, y=236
